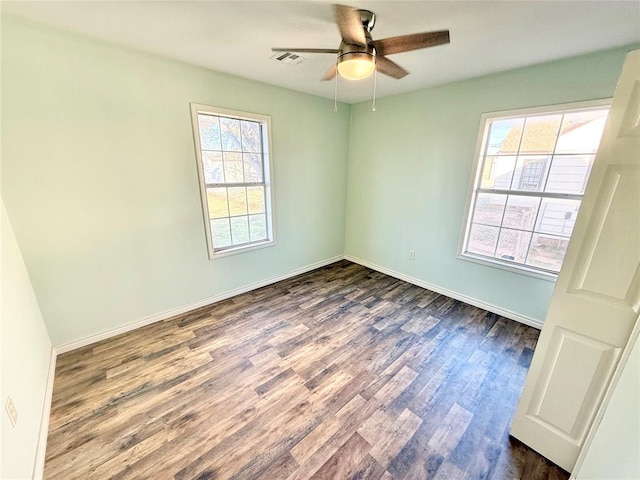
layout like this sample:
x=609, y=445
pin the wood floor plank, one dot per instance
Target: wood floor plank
x=282, y=467
x=453, y=426
x=420, y=325
x=345, y=461
x=448, y=471
x=396, y=385
x=325, y=430
x=367, y=469
x=349, y=425
x=388, y=435
x=339, y=373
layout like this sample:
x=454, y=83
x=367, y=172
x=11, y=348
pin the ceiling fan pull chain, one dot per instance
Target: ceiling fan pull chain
x=373, y=104
x=335, y=93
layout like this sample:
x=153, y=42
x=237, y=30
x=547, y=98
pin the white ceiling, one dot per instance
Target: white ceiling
x=235, y=36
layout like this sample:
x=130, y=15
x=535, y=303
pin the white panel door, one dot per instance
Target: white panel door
x=596, y=301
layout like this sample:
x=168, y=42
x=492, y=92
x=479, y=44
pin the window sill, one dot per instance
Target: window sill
x=522, y=270
x=241, y=249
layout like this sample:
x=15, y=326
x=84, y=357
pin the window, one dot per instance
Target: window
x=531, y=172
x=233, y=155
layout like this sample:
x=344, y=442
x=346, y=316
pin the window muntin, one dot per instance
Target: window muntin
x=232, y=150
x=531, y=174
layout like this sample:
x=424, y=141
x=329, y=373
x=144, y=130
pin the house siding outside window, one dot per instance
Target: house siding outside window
x=531, y=172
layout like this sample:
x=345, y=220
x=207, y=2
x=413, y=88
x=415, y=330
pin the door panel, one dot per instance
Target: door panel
x=609, y=262
x=596, y=301
x=568, y=392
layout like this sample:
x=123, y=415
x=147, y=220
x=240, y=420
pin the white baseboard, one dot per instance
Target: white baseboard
x=83, y=342
x=41, y=449
x=532, y=322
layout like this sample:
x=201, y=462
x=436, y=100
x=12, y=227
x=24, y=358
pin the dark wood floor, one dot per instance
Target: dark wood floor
x=339, y=373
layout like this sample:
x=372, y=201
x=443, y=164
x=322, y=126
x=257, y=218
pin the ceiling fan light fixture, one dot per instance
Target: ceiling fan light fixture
x=356, y=65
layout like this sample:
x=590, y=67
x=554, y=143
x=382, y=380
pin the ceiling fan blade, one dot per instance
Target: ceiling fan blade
x=306, y=50
x=406, y=43
x=331, y=73
x=349, y=24
x=386, y=66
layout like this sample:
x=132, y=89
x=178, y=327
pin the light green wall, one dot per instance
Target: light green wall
x=26, y=354
x=99, y=178
x=409, y=168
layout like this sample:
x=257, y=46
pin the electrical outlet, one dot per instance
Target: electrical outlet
x=11, y=411
x=412, y=254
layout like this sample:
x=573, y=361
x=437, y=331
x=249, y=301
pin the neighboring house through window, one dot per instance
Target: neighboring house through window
x=234, y=168
x=531, y=172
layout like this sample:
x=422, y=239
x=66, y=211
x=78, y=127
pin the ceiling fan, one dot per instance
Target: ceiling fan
x=358, y=54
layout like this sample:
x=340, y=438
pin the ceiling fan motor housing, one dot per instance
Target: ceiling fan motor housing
x=368, y=19
x=358, y=61
x=347, y=49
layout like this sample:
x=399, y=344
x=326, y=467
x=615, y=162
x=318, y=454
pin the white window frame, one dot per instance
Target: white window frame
x=265, y=130
x=476, y=176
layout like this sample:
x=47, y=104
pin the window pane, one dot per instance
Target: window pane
x=258, y=227
x=504, y=136
x=251, y=141
x=497, y=172
x=212, y=163
x=581, y=132
x=557, y=216
x=230, y=131
x=255, y=196
x=489, y=208
x=221, y=233
x=237, y=201
x=521, y=212
x=233, y=168
x=217, y=201
x=569, y=173
x=252, y=167
x=531, y=172
x=547, y=251
x=209, y=132
x=540, y=134
x=232, y=147
x=239, y=230
x=483, y=239
x=513, y=245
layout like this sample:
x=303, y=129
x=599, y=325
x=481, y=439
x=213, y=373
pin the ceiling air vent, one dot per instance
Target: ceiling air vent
x=290, y=58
